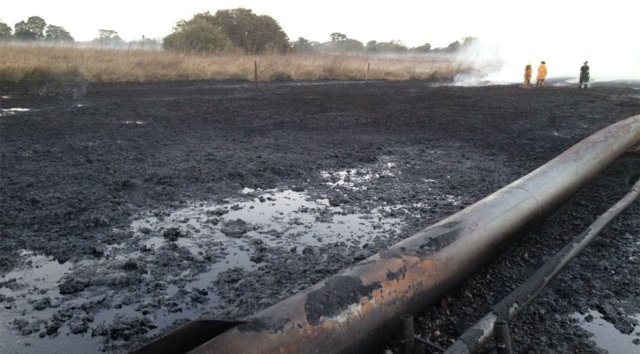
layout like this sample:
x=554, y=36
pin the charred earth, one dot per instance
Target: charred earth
x=128, y=209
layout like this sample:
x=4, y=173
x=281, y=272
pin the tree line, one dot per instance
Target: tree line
x=341, y=43
x=235, y=30
x=242, y=30
x=36, y=29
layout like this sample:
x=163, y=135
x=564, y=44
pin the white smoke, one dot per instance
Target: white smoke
x=504, y=63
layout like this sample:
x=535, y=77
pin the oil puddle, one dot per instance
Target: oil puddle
x=169, y=263
x=29, y=298
x=6, y=112
x=112, y=298
x=606, y=336
x=271, y=218
x=359, y=178
x=240, y=232
x=37, y=271
x=166, y=269
x=33, y=285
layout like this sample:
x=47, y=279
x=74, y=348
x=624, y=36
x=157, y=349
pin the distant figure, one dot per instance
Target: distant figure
x=542, y=74
x=584, y=75
x=527, y=76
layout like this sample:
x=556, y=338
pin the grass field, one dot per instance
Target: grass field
x=24, y=63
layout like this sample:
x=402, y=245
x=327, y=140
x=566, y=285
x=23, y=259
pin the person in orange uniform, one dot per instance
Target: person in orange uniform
x=527, y=76
x=542, y=74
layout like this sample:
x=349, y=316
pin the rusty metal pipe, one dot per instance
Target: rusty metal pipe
x=477, y=335
x=360, y=306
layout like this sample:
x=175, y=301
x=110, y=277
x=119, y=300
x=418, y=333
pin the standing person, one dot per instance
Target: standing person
x=584, y=75
x=527, y=76
x=542, y=74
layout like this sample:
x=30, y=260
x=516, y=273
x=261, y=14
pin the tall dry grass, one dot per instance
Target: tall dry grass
x=19, y=63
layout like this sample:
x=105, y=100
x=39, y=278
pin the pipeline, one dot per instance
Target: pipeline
x=477, y=335
x=359, y=308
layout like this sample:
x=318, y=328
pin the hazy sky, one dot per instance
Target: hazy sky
x=564, y=33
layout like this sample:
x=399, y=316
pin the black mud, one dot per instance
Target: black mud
x=130, y=209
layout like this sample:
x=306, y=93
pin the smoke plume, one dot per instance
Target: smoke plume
x=504, y=63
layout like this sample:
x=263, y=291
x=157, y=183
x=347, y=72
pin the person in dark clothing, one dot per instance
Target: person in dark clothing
x=584, y=75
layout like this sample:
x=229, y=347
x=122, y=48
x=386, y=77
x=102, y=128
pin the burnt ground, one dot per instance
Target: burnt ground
x=122, y=204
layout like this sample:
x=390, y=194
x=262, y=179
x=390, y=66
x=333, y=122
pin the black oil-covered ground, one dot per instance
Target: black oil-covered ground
x=127, y=209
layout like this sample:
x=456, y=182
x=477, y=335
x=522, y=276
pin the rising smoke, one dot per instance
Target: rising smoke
x=504, y=64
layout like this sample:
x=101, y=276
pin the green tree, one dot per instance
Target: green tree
x=5, y=32
x=453, y=47
x=251, y=33
x=338, y=37
x=268, y=36
x=108, y=38
x=341, y=43
x=394, y=46
x=372, y=47
x=197, y=35
x=467, y=41
x=303, y=45
x=425, y=48
x=145, y=43
x=235, y=24
x=57, y=34
x=32, y=30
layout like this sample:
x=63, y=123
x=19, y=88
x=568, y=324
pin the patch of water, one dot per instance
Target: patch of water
x=210, y=238
x=5, y=97
x=231, y=232
x=274, y=218
x=359, y=178
x=5, y=112
x=177, y=255
x=353, y=178
x=63, y=343
x=38, y=271
x=30, y=299
x=452, y=199
x=185, y=250
x=234, y=230
x=606, y=336
x=30, y=296
x=35, y=279
x=137, y=122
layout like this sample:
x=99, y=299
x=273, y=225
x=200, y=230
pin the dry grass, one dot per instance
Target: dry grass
x=37, y=63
